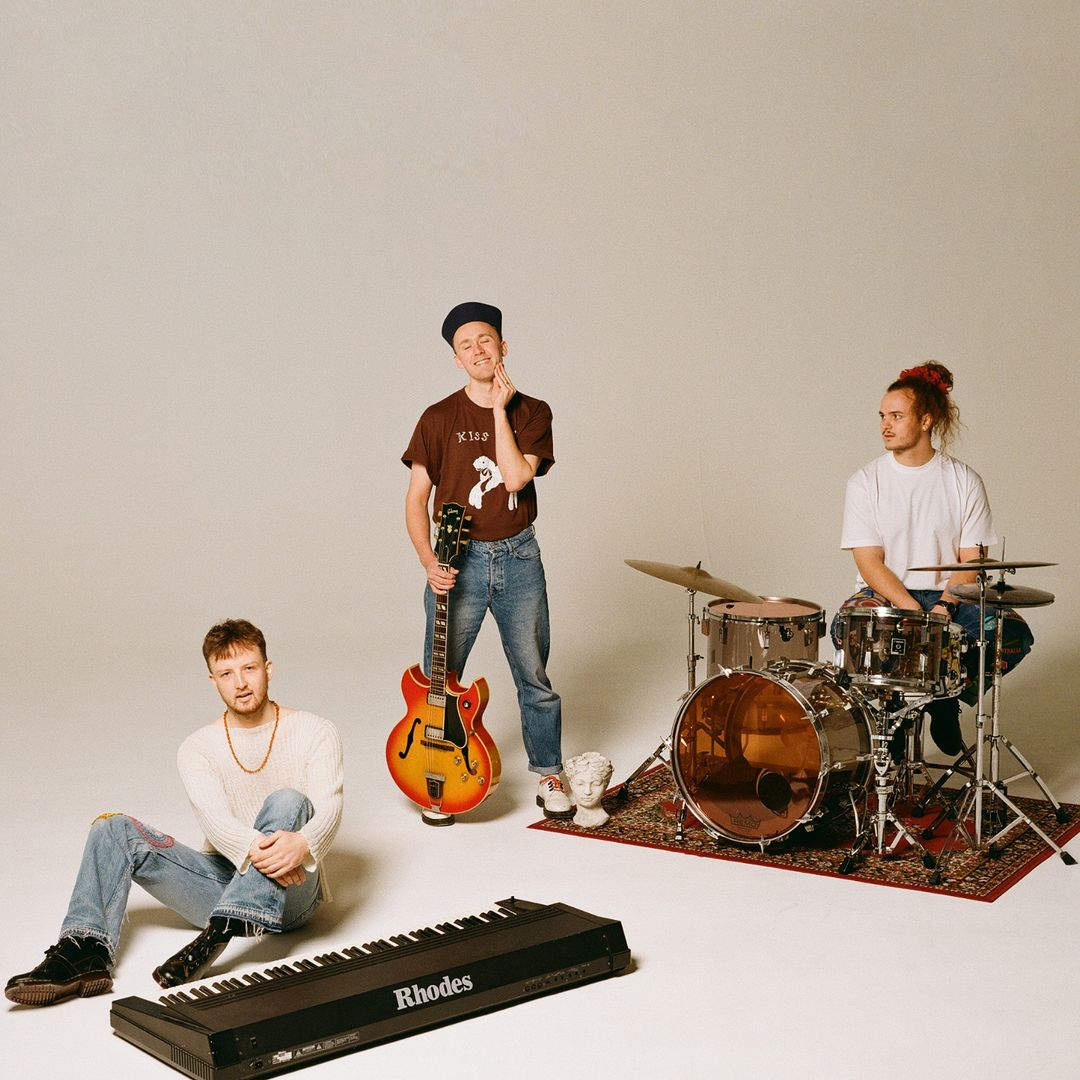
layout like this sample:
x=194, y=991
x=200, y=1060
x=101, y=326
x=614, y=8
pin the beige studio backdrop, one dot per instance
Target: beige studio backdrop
x=230, y=232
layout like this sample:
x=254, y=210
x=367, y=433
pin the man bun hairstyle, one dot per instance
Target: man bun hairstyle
x=930, y=385
x=229, y=637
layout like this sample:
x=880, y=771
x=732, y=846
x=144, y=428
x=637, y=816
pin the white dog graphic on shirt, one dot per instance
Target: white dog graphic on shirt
x=490, y=477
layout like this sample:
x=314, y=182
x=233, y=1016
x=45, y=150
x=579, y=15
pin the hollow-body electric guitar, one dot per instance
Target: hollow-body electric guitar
x=440, y=754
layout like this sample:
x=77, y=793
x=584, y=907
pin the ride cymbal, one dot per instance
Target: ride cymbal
x=1002, y=595
x=693, y=577
x=986, y=564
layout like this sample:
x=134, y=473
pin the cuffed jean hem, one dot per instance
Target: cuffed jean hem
x=546, y=770
x=258, y=919
x=89, y=932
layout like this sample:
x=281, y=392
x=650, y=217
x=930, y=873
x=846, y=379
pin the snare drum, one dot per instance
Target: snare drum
x=743, y=635
x=756, y=754
x=915, y=652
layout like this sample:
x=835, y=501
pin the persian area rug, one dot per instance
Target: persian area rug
x=647, y=820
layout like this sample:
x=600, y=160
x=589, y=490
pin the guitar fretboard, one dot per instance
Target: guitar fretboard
x=437, y=692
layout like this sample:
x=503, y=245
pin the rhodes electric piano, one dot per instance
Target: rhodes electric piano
x=265, y=1023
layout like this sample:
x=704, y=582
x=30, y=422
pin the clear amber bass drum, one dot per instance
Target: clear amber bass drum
x=757, y=754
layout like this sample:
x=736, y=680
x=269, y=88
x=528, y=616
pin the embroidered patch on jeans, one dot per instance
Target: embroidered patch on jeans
x=153, y=837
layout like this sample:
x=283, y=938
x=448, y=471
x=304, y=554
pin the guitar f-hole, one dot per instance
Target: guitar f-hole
x=403, y=754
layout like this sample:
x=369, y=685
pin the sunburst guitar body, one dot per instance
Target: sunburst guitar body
x=439, y=754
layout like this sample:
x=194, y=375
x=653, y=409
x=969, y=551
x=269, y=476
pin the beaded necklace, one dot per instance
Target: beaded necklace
x=228, y=739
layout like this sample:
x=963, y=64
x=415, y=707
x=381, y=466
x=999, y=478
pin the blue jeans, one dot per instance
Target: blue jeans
x=1016, y=640
x=120, y=850
x=506, y=577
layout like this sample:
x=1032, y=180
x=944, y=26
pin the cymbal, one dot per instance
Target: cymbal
x=985, y=564
x=1002, y=595
x=693, y=577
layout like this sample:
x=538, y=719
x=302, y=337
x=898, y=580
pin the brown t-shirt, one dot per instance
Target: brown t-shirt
x=455, y=441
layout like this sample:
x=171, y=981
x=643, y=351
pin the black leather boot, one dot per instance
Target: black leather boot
x=193, y=959
x=74, y=965
x=945, y=725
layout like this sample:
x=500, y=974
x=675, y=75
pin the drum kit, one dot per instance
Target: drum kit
x=775, y=741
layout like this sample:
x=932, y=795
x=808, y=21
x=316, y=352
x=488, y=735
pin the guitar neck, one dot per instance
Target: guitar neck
x=437, y=691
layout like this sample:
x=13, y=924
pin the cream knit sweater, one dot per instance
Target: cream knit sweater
x=226, y=800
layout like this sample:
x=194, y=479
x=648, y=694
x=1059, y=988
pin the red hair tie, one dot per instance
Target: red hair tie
x=927, y=375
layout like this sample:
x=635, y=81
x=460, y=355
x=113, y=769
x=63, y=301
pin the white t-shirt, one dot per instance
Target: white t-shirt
x=919, y=516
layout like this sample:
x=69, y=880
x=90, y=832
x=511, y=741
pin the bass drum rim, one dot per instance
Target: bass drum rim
x=831, y=770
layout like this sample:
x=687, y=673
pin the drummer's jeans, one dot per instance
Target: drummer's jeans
x=506, y=577
x=196, y=885
x=1016, y=640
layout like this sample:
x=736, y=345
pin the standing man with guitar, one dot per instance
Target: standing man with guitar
x=482, y=447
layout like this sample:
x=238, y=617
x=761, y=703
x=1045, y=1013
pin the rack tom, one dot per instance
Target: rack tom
x=744, y=635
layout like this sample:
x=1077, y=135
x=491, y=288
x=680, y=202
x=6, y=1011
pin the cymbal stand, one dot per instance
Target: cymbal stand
x=890, y=717
x=962, y=765
x=663, y=752
x=993, y=785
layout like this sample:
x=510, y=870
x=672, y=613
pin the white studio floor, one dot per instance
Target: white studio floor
x=739, y=970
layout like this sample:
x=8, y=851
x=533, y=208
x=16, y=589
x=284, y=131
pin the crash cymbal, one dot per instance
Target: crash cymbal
x=693, y=577
x=985, y=564
x=1002, y=595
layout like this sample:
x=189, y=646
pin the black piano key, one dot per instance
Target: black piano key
x=400, y=939
x=354, y=952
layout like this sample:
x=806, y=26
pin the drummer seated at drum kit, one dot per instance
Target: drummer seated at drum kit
x=916, y=506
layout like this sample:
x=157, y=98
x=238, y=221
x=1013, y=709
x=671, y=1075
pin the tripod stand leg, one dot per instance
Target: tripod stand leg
x=994, y=851
x=903, y=833
x=851, y=859
x=948, y=772
x=959, y=830
x=1059, y=811
x=659, y=754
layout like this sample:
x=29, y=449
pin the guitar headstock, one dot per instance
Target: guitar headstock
x=452, y=535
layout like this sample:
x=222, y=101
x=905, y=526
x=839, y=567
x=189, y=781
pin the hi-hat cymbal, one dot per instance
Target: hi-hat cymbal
x=985, y=564
x=693, y=577
x=1002, y=595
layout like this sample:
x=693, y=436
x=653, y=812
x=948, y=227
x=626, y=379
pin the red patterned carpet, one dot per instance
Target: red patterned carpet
x=646, y=820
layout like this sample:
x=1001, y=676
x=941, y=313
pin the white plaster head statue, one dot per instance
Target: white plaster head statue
x=589, y=774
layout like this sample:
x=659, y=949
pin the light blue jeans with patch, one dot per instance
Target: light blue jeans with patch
x=506, y=577
x=196, y=885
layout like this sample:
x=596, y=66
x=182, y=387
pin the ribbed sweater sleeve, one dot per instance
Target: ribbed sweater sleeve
x=306, y=756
